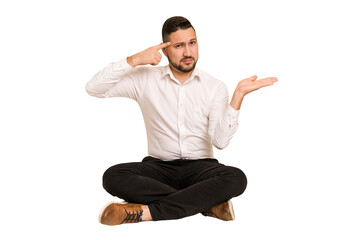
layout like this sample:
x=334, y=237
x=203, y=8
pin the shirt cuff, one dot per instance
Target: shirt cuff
x=232, y=116
x=121, y=66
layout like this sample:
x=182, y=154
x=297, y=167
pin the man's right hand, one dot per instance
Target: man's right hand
x=148, y=56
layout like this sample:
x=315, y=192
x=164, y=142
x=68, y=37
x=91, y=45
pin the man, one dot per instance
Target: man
x=186, y=112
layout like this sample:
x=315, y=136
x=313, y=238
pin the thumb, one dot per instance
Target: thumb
x=252, y=78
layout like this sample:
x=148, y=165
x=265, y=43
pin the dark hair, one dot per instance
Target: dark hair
x=173, y=24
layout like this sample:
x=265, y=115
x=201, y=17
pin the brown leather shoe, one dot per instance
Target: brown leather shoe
x=223, y=211
x=118, y=213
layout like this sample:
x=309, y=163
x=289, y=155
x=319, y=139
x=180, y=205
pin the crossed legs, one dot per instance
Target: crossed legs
x=174, y=189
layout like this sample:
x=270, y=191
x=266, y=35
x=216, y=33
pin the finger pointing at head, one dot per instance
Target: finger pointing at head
x=163, y=45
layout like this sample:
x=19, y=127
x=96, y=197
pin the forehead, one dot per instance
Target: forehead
x=182, y=35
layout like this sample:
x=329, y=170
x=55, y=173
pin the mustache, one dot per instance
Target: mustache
x=185, y=58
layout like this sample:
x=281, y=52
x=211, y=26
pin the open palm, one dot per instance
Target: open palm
x=250, y=84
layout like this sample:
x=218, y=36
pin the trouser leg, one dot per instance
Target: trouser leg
x=204, y=183
x=140, y=182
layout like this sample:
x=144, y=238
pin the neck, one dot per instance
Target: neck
x=180, y=76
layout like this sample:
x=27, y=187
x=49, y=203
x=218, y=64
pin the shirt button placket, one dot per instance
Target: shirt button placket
x=181, y=119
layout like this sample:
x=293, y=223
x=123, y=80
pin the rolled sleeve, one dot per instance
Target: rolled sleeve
x=112, y=81
x=231, y=117
x=223, y=120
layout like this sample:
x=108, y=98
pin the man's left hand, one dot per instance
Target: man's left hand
x=249, y=85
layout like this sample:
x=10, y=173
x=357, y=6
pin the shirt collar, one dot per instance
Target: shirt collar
x=167, y=72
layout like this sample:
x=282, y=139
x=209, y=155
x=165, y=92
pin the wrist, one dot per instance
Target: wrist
x=132, y=61
x=236, y=100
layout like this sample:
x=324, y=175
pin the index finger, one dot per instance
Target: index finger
x=163, y=45
x=270, y=79
x=267, y=81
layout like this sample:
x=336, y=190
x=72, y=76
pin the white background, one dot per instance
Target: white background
x=298, y=141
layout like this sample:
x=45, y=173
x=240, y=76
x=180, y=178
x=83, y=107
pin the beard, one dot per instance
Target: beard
x=186, y=68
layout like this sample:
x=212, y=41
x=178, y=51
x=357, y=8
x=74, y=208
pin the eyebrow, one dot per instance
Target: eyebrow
x=184, y=42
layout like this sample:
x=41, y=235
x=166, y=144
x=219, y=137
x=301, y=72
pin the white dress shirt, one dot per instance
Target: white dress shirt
x=182, y=121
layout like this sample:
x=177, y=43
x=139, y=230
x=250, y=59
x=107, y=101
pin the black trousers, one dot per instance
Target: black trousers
x=174, y=189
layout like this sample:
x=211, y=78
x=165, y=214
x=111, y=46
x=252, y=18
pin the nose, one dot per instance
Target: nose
x=187, y=52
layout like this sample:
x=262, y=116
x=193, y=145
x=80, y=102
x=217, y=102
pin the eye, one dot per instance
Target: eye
x=192, y=42
x=177, y=45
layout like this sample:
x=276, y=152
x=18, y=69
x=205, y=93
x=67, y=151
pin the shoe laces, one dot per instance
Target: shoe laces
x=133, y=216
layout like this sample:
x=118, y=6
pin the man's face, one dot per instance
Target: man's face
x=183, y=51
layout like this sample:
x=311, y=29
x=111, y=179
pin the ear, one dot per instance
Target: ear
x=164, y=52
